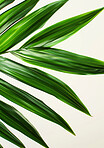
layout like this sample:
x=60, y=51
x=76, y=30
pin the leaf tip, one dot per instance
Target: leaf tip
x=88, y=113
x=73, y=134
x=99, y=9
x=71, y=131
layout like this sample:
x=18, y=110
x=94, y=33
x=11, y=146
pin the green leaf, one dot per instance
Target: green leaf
x=15, y=119
x=28, y=25
x=16, y=13
x=4, y=3
x=61, y=31
x=6, y=134
x=1, y=146
x=43, y=81
x=60, y=60
x=31, y=103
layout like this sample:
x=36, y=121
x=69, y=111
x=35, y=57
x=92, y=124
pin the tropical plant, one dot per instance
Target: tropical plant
x=16, y=25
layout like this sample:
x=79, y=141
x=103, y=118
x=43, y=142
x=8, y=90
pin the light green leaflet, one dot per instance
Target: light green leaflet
x=28, y=25
x=61, y=31
x=31, y=103
x=43, y=81
x=60, y=60
x=6, y=134
x=16, y=13
x=15, y=119
x=4, y=3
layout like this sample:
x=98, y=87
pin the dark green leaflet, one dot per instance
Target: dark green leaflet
x=43, y=81
x=16, y=13
x=61, y=31
x=1, y=146
x=28, y=25
x=60, y=60
x=6, y=134
x=15, y=119
x=31, y=103
x=4, y=3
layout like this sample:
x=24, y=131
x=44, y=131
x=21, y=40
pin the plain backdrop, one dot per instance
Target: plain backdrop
x=88, y=41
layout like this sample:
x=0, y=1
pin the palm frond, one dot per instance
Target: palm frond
x=16, y=26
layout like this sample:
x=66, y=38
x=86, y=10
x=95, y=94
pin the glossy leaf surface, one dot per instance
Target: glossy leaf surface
x=43, y=81
x=28, y=25
x=15, y=119
x=61, y=31
x=31, y=103
x=6, y=134
x=61, y=60
x=4, y=3
x=16, y=13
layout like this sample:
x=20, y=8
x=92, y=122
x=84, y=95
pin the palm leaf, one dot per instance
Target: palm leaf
x=6, y=134
x=28, y=25
x=43, y=81
x=16, y=13
x=60, y=60
x=61, y=31
x=4, y=3
x=15, y=27
x=16, y=120
x=31, y=103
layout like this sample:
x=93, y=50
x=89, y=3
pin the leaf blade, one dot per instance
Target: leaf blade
x=60, y=60
x=42, y=81
x=6, y=134
x=29, y=24
x=16, y=13
x=61, y=31
x=31, y=103
x=16, y=120
x=4, y=3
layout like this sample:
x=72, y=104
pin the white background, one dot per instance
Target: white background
x=89, y=130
